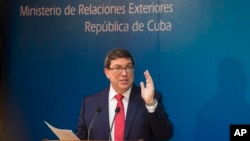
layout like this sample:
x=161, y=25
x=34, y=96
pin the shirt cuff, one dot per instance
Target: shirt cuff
x=151, y=109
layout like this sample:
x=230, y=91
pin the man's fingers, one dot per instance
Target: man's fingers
x=149, y=80
x=142, y=86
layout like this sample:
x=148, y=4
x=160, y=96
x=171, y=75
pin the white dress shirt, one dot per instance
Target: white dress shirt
x=113, y=103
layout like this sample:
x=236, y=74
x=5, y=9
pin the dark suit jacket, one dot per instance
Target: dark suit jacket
x=140, y=124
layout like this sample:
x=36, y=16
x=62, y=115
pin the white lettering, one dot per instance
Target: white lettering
x=239, y=132
x=106, y=26
x=159, y=26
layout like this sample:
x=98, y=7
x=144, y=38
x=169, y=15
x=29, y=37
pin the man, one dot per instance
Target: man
x=142, y=110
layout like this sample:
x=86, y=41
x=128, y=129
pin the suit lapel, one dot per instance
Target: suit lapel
x=133, y=105
x=104, y=103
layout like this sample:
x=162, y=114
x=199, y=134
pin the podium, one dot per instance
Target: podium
x=68, y=135
x=85, y=140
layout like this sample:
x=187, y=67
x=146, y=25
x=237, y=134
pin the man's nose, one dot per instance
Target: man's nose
x=124, y=72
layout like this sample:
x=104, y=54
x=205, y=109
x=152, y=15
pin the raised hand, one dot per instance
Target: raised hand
x=147, y=92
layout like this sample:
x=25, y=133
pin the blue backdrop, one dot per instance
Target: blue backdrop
x=198, y=56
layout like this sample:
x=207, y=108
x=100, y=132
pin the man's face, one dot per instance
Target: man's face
x=123, y=80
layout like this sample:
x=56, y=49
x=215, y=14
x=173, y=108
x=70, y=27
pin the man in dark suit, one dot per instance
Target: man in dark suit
x=145, y=117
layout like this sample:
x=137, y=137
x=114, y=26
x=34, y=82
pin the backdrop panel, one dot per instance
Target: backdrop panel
x=197, y=52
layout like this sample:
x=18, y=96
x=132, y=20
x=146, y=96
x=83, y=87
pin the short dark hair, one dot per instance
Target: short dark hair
x=117, y=53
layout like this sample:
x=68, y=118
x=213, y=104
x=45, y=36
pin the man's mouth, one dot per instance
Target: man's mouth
x=124, y=80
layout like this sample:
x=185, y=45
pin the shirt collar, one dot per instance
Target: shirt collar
x=112, y=93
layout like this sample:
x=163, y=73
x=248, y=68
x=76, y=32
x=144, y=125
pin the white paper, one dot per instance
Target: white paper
x=63, y=134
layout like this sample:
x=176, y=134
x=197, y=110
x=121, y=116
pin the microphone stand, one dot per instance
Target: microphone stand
x=98, y=110
x=117, y=110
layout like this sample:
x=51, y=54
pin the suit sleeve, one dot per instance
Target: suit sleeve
x=162, y=128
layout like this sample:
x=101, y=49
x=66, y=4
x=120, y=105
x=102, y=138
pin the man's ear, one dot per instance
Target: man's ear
x=106, y=71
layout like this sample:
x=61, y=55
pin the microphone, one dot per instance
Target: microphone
x=97, y=111
x=117, y=110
